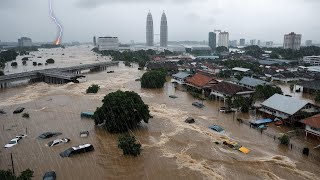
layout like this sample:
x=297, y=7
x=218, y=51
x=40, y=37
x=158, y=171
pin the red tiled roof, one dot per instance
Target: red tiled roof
x=200, y=80
x=313, y=121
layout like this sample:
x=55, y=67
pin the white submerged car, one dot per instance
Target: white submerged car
x=15, y=141
x=58, y=141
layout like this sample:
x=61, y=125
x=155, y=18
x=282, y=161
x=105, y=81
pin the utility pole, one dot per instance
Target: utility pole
x=12, y=165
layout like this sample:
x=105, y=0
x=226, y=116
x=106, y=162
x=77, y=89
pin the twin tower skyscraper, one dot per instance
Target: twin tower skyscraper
x=163, y=31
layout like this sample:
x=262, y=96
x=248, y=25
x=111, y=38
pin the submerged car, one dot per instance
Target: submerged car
x=58, y=141
x=49, y=135
x=225, y=109
x=15, y=140
x=18, y=110
x=217, y=128
x=77, y=150
x=51, y=175
x=197, y=104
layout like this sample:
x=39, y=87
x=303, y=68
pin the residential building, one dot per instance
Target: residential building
x=242, y=42
x=212, y=40
x=252, y=83
x=312, y=60
x=240, y=69
x=292, y=41
x=259, y=43
x=108, y=43
x=180, y=77
x=287, y=108
x=224, y=90
x=223, y=39
x=269, y=44
x=308, y=42
x=252, y=42
x=310, y=87
x=199, y=81
x=164, y=31
x=285, y=77
x=149, y=30
x=312, y=125
x=25, y=42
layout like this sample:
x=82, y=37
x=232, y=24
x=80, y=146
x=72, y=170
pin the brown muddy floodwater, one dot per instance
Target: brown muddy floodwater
x=172, y=149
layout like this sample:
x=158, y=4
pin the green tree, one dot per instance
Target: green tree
x=266, y=91
x=24, y=63
x=94, y=88
x=153, y=79
x=1, y=73
x=243, y=103
x=14, y=64
x=128, y=145
x=222, y=49
x=284, y=139
x=121, y=111
x=291, y=87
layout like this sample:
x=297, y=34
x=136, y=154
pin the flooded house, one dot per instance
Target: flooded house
x=312, y=125
x=252, y=83
x=200, y=81
x=180, y=77
x=289, y=109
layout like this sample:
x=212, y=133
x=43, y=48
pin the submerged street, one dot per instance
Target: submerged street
x=172, y=149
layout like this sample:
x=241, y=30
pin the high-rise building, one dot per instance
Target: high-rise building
x=259, y=43
x=292, y=41
x=94, y=41
x=108, y=43
x=252, y=42
x=149, y=30
x=242, y=42
x=25, y=42
x=212, y=40
x=223, y=39
x=269, y=44
x=308, y=42
x=164, y=31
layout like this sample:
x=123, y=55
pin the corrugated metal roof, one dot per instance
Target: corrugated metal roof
x=252, y=81
x=181, y=75
x=284, y=104
x=240, y=69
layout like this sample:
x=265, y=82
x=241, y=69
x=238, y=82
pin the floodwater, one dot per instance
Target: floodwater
x=172, y=149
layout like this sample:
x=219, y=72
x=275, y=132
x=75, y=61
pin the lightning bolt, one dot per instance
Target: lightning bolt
x=58, y=40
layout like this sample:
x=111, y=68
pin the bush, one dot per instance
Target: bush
x=1, y=73
x=25, y=115
x=121, y=111
x=291, y=87
x=153, y=79
x=284, y=139
x=14, y=64
x=94, y=88
x=34, y=63
x=25, y=59
x=128, y=145
x=50, y=61
x=24, y=63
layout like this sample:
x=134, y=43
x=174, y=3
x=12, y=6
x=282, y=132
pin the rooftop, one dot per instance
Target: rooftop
x=240, y=69
x=313, y=121
x=181, y=75
x=229, y=88
x=200, y=80
x=252, y=82
x=285, y=104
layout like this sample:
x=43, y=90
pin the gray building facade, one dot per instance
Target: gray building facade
x=149, y=30
x=164, y=31
x=212, y=40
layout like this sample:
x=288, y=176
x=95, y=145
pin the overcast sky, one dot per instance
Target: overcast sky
x=187, y=19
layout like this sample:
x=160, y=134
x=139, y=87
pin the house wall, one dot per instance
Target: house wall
x=312, y=130
x=285, y=80
x=274, y=112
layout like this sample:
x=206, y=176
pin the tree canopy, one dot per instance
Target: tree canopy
x=50, y=61
x=6, y=56
x=266, y=91
x=1, y=73
x=222, y=49
x=94, y=88
x=153, y=79
x=8, y=175
x=121, y=111
x=128, y=145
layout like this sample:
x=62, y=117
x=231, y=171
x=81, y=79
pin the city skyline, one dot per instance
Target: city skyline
x=193, y=22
